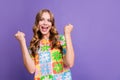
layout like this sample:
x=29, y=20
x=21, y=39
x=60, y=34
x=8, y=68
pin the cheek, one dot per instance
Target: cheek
x=39, y=23
x=39, y=27
x=51, y=24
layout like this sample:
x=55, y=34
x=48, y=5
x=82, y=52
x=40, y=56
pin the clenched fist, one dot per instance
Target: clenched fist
x=68, y=28
x=20, y=36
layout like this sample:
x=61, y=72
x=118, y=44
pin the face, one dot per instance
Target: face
x=45, y=24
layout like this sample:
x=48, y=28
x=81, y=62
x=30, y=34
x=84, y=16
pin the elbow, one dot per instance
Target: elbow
x=71, y=65
x=32, y=71
x=69, y=62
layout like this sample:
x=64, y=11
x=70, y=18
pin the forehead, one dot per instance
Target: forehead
x=45, y=15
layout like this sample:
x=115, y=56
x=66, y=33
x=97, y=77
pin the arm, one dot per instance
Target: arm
x=28, y=62
x=69, y=57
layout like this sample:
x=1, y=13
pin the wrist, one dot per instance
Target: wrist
x=67, y=34
x=23, y=41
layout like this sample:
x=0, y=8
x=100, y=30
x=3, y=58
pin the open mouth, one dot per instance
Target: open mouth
x=44, y=29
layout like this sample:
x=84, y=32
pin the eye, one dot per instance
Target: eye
x=41, y=19
x=49, y=20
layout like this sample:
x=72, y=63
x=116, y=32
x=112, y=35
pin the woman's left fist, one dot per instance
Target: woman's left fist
x=68, y=28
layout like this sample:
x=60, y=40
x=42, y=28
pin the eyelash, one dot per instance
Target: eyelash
x=41, y=19
x=47, y=20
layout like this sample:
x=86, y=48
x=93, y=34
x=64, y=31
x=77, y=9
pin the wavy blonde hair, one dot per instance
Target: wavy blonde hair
x=37, y=36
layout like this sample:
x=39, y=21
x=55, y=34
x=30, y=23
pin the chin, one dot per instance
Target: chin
x=45, y=33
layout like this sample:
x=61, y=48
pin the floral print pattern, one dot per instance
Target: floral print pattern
x=49, y=62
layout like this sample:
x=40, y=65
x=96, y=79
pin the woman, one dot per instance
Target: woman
x=50, y=55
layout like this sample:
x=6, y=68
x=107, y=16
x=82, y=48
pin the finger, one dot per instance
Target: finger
x=23, y=33
x=15, y=35
x=18, y=32
x=71, y=25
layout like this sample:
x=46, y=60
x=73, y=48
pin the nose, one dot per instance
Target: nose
x=45, y=22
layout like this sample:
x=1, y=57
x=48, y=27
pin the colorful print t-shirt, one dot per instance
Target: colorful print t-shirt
x=49, y=62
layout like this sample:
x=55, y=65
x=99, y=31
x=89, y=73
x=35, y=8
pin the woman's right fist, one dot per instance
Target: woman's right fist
x=20, y=36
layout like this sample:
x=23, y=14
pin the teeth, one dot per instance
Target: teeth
x=45, y=27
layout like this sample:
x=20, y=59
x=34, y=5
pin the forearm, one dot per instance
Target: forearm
x=28, y=62
x=69, y=57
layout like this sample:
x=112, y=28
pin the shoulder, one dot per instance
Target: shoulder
x=62, y=40
x=61, y=37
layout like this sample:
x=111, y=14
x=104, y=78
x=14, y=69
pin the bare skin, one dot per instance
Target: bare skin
x=46, y=25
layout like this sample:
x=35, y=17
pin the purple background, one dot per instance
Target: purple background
x=96, y=36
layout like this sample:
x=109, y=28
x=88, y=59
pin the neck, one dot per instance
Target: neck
x=46, y=36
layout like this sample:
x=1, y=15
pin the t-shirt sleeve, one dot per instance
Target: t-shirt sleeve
x=63, y=43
